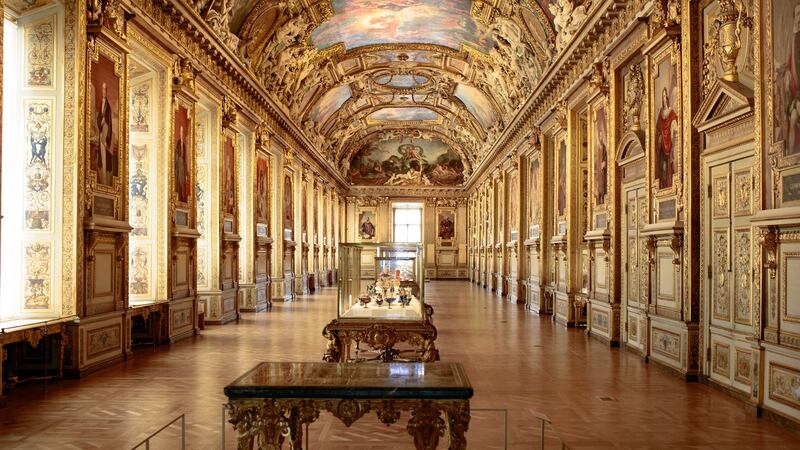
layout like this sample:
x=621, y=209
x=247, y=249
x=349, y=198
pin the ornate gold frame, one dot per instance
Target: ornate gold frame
x=667, y=51
x=96, y=48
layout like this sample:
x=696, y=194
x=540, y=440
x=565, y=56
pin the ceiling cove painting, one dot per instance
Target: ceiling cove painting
x=358, y=23
x=476, y=103
x=412, y=113
x=330, y=103
x=397, y=162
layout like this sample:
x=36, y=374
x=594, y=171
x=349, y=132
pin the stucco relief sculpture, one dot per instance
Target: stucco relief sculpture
x=567, y=18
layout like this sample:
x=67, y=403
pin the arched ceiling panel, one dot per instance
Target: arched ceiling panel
x=404, y=162
x=412, y=113
x=476, y=103
x=357, y=23
x=330, y=102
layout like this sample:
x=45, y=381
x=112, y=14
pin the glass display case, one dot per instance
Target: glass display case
x=382, y=281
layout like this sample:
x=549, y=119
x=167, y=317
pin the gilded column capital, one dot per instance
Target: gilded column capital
x=230, y=112
x=184, y=74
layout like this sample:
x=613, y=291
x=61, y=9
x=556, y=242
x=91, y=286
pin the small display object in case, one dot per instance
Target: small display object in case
x=382, y=281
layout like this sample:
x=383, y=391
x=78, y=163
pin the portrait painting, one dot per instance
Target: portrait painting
x=447, y=225
x=786, y=85
x=415, y=162
x=512, y=200
x=181, y=145
x=534, y=190
x=561, y=202
x=229, y=177
x=366, y=225
x=600, y=156
x=288, y=205
x=104, y=120
x=667, y=132
x=357, y=23
x=304, y=212
x=262, y=190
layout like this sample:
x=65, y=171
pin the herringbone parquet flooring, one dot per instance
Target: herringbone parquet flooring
x=516, y=361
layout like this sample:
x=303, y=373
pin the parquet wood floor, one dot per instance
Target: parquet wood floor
x=516, y=361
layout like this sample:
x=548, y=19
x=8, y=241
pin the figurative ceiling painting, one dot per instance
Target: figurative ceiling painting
x=402, y=81
x=358, y=23
x=417, y=56
x=477, y=104
x=397, y=162
x=330, y=102
x=414, y=114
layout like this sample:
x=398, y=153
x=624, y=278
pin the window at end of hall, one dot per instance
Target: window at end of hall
x=407, y=222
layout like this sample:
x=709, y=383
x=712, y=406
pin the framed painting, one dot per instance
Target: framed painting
x=229, y=175
x=666, y=112
x=262, y=190
x=534, y=180
x=366, y=224
x=782, y=94
x=446, y=226
x=561, y=176
x=513, y=206
x=182, y=145
x=105, y=112
x=288, y=208
x=600, y=154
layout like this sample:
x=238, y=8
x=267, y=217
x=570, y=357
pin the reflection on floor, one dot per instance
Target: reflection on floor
x=516, y=360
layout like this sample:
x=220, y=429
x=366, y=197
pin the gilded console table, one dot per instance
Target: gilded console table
x=275, y=399
x=381, y=336
x=33, y=331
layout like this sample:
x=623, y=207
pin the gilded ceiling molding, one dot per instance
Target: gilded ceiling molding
x=410, y=192
x=222, y=67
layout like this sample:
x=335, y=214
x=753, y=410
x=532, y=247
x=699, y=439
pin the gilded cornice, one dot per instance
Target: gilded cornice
x=410, y=192
x=192, y=36
x=605, y=25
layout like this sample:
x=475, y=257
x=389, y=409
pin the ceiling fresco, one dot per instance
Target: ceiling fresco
x=358, y=23
x=404, y=162
x=410, y=114
x=330, y=102
x=355, y=74
x=476, y=103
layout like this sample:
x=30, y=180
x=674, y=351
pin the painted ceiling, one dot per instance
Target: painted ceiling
x=364, y=75
x=358, y=23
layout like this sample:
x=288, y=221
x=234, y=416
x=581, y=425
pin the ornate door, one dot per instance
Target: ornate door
x=635, y=270
x=729, y=271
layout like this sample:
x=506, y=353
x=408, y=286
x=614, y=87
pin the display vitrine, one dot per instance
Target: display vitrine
x=381, y=282
x=381, y=305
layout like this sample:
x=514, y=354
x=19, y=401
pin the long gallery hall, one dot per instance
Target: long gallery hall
x=389, y=224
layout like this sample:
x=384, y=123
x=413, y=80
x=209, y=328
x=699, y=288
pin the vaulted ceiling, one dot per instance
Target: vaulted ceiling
x=385, y=88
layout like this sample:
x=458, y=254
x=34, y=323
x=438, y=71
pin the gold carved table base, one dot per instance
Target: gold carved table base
x=381, y=337
x=267, y=423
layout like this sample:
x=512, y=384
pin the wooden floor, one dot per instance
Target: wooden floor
x=517, y=362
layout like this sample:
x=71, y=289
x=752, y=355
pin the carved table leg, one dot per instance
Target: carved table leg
x=3, y=356
x=429, y=351
x=304, y=413
x=458, y=420
x=426, y=425
x=260, y=424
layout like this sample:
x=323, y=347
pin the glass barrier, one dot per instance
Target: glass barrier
x=166, y=437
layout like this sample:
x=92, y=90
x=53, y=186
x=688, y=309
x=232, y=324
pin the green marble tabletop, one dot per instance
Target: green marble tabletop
x=351, y=380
